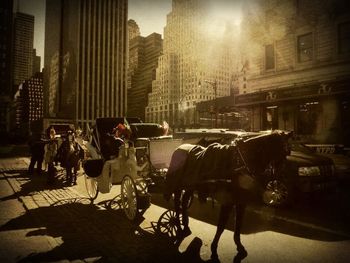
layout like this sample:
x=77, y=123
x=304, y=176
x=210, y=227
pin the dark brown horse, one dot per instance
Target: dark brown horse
x=69, y=154
x=227, y=173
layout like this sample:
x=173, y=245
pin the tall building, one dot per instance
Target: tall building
x=6, y=32
x=297, y=68
x=133, y=29
x=196, y=64
x=36, y=63
x=28, y=105
x=85, y=60
x=23, y=47
x=143, y=60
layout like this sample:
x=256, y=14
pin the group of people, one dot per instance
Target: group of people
x=68, y=154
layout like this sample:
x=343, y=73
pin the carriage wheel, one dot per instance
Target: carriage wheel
x=188, y=203
x=129, y=197
x=275, y=193
x=91, y=187
x=167, y=223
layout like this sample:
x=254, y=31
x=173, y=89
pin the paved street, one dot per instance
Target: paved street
x=49, y=224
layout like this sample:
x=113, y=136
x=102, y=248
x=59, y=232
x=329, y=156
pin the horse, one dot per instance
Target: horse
x=228, y=173
x=69, y=154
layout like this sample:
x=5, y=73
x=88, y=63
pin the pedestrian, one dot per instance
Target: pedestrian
x=37, y=150
x=50, y=155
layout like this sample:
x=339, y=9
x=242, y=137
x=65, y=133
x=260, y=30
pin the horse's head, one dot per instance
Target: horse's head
x=263, y=150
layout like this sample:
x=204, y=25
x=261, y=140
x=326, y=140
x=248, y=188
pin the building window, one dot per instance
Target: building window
x=269, y=57
x=305, y=47
x=308, y=118
x=344, y=38
x=271, y=118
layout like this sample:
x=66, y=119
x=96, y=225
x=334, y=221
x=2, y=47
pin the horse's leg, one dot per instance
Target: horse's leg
x=69, y=174
x=177, y=196
x=184, y=204
x=75, y=171
x=224, y=215
x=240, y=209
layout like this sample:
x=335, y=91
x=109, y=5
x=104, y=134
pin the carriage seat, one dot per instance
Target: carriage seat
x=110, y=147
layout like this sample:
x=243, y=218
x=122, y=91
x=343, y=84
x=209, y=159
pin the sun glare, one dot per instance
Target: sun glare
x=224, y=14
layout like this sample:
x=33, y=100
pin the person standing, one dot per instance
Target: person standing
x=37, y=150
x=50, y=154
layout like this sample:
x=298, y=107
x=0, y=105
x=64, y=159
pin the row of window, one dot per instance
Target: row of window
x=305, y=46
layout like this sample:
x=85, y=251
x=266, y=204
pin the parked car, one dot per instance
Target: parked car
x=303, y=171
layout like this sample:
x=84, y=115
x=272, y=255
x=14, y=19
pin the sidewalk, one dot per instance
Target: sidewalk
x=21, y=232
x=40, y=223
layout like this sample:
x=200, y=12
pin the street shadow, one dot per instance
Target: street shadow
x=261, y=218
x=84, y=231
x=31, y=184
x=167, y=226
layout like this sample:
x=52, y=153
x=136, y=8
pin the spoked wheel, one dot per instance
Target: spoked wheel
x=275, y=193
x=167, y=224
x=129, y=197
x=91, y=187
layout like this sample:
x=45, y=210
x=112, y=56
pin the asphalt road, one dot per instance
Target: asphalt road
x=42, y=223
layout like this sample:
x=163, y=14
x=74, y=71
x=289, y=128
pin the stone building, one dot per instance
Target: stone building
x=6, y=90
x=36, y=63
x=196, y=64
x=28, y=105
x=22, y=47
x=143, y=60
x=85, y=60
x=297, y=68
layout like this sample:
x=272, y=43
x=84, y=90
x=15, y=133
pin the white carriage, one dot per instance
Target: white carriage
x=141, y=163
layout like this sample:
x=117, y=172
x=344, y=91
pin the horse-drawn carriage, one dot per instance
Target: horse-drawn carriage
x=224, y=171
x=134, y=164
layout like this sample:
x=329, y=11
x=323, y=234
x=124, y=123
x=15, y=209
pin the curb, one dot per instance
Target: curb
x=297, y=222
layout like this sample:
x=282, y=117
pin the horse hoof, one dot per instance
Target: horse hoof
x=242, y=253
x=214, y=254
x=214, y=257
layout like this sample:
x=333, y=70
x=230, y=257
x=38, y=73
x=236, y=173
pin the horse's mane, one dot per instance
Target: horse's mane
x=260, y=150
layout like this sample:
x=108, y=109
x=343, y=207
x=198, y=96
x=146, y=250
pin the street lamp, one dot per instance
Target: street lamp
x=213, y=84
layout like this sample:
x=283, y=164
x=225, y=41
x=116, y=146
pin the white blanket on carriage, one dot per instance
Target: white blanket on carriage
x=105, y=180
x=114, y=170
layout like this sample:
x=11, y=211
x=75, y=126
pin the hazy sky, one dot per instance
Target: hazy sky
x=150, y=15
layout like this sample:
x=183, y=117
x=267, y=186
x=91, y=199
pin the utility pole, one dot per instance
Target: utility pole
x=214, y=86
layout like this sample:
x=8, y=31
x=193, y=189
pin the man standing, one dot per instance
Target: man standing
x=37, y=150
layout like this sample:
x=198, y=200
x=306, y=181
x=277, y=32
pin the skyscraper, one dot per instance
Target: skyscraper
x=28, y=102
x=196, y=64
x=133, y=29
x=23, y=47
x=85, y=58
x=6, y=31
x=143, y=60
x=36, y=63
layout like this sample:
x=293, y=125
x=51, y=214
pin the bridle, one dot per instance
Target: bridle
x=244, y=166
